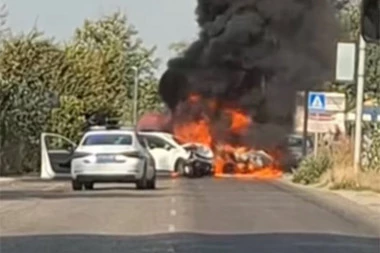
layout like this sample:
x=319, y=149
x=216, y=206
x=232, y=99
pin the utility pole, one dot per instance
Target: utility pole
x=359, y=105
x=135, y=94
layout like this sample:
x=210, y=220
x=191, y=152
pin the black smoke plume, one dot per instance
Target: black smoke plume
x=256, y=54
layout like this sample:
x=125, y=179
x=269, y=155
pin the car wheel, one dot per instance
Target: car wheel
x=89, y=186
x=152, y=183
x=142, y=183
x=189, y=171
x=179, y=167
x=76, y=186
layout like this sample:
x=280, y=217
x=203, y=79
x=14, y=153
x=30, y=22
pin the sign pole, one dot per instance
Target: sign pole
x=316, y=140
x=305, y=122
x=359, y=105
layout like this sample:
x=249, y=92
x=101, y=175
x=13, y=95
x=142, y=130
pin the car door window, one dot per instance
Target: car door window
x=156, y=142
x=54, y=142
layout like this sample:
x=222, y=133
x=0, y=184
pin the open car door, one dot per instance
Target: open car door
x=56, y=152
x=162, y=152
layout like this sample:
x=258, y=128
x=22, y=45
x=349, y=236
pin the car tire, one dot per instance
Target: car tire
x=179, y=167
x=89, y=186
x=151, y=185
x=76, y=185
x=189, y=171
x=142, y=184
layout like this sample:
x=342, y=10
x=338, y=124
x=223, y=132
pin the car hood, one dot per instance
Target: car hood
x=200, y=150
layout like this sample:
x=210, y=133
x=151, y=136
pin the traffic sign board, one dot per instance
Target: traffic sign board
x=317, y=101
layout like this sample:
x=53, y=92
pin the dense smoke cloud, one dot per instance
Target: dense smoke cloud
x=288, y=43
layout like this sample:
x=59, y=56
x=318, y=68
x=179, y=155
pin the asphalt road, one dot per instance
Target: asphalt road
x=202, y=215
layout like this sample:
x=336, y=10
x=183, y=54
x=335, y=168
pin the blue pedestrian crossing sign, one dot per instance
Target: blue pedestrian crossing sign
x=317, y=101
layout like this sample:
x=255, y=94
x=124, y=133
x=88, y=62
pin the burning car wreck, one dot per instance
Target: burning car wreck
x=235, y=87
x=200, y=162
x=245, y=161
x=197, y=159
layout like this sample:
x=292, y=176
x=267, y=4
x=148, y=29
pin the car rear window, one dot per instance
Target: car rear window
x=108, y=139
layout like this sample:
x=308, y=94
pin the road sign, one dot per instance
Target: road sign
x=317, y=101
x=345, y=62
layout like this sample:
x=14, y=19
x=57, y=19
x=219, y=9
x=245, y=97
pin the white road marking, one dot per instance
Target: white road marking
x=173, y=212
x=171, y=228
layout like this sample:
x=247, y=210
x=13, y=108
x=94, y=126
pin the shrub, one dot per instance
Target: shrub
x=334, y=165
x=312, y=168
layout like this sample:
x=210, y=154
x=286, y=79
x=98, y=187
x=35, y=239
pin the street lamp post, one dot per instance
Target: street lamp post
x=135, y=94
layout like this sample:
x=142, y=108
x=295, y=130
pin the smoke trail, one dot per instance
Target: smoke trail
x=288, y=43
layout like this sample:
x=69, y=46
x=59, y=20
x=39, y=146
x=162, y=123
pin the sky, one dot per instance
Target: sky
x=159, y=22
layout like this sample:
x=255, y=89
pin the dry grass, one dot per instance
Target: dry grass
x=342, y=174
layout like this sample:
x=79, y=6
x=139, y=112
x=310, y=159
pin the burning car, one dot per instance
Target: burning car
x=200, y=162
x=243, y=161
x=170, y=155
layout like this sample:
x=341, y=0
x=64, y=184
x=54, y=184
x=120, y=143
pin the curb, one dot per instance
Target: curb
x=335, y=203
x=7, y=180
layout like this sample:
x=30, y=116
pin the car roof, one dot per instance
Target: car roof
x=155, y=133
x=105, y=132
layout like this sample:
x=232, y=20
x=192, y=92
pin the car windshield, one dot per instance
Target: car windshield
x=108, y=139
x=297, y=141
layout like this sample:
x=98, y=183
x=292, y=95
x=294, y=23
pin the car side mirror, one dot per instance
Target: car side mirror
x=71, y=149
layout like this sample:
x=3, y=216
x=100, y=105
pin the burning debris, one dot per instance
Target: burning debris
x=236, y=85
x=245, y=161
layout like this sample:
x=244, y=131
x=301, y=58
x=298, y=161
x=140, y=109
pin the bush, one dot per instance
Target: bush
x=312, y=168
x=334, y=166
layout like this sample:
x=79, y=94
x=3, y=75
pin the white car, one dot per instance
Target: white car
x=168, y=154
x=101, y=156
x=190, y=159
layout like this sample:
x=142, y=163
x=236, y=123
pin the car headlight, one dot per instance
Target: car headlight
x=90, y=159
x=119, y=158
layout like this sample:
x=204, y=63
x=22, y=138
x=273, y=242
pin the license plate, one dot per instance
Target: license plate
x=105, y=158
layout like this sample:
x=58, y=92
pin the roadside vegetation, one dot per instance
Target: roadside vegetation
x=52, y=86
x=333, y=165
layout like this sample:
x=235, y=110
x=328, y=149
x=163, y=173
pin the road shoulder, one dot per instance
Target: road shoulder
x=353, y=206
x=7, y=180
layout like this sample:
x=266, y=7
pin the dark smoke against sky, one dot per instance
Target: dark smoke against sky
x=290, y=43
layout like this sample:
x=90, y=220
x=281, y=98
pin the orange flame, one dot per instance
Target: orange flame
x=200, y=131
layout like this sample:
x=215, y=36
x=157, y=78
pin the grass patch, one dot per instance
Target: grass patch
x=333, y=168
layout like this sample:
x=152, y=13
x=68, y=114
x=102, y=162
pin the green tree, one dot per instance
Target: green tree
x=26, y=64
x=92, y=73
x=350, y=20
x=103, y=54
x=350, y=24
